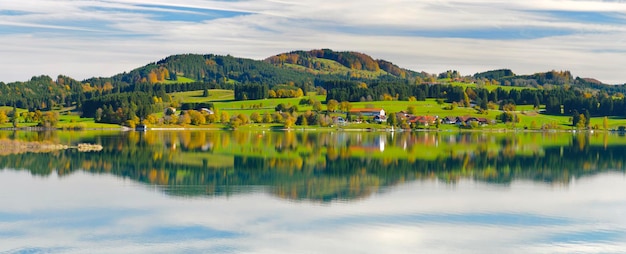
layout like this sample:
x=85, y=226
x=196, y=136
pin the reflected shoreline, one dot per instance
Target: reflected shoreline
x=321, y=166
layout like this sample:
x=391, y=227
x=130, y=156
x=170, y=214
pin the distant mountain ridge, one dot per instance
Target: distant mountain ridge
x=509, y=78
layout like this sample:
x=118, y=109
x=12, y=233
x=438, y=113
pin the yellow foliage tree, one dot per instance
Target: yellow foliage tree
x=152, y=77
x=3, y=117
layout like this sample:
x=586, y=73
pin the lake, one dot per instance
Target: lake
x=312, y=192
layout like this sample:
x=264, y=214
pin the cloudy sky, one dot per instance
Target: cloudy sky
x=85, y=38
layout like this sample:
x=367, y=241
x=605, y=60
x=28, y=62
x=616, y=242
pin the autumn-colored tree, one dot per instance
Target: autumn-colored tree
x=267, y=118
x=331, y=105
x=243, y=118
x=152, y=77
x=166, y=73
x=471, y=93
x=317, y=106
x=605, y=123
x=508, y=107
x=277, y=117
x=107, y=86
x=289, y=122
x=151, y=119
x=466, y=100
x=49, y=119
x=224, y=118
x=184, y=119
x=582, y=121
x=235, y=122
x=3, y=117
x=256, y=117
x=345, y=106
x=211, y=118
x=171, y=119
x=196, y=117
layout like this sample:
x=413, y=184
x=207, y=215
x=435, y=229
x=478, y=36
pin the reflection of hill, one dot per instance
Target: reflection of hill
x=322, y=166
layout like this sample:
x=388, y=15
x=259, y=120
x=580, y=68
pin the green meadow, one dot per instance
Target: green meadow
x=529, y=118
x=223, y=101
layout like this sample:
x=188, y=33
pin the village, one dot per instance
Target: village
x=378, y=115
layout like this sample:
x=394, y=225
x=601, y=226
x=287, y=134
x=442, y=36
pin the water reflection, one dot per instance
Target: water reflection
x=102, y=214
x=321, y=166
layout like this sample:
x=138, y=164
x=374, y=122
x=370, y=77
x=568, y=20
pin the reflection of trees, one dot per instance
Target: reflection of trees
x=320, y=166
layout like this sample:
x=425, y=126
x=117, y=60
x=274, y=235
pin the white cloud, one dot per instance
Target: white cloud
x=101, y=38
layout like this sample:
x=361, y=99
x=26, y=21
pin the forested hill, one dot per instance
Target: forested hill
x=346, y=63
x=227, y=71
x=507, y=77
x=284, y=73
x=195, y=72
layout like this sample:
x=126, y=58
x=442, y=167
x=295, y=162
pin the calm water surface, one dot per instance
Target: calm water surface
x=276, y=192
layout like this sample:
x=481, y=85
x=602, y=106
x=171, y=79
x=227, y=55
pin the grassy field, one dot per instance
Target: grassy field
x=196, y=96
x=179, y=79
x=223, y=100
x=75, y=121
x=529, y=118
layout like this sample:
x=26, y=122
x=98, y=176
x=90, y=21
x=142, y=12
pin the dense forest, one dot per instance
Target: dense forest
x=344, y=76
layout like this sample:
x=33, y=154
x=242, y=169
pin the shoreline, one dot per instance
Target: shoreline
x=311, y=129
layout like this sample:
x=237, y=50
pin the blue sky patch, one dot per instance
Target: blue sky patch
x=173, y=13
x=13, y=13
x=595, y=236
x=587, y=16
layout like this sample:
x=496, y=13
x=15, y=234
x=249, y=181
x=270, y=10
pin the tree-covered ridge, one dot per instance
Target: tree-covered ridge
x=548, y=79
x=495, y=74
x=353, y=62
x=41, y=92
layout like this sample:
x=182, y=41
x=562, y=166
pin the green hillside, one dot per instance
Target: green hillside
x=350, y=64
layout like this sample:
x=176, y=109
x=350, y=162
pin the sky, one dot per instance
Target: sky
x=87, y=38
